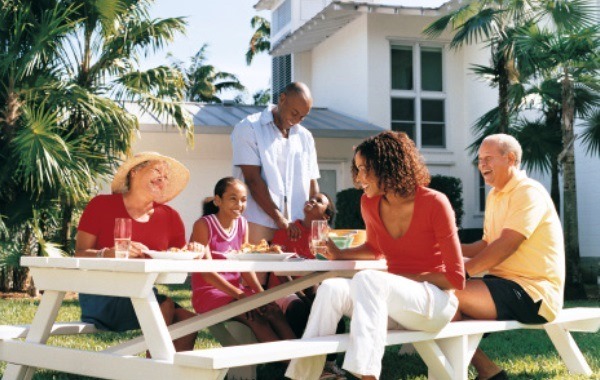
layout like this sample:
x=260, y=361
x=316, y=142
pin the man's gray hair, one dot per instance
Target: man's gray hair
x=507, y=144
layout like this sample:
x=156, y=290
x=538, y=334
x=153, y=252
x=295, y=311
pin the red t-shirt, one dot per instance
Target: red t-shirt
x=164, y=230
x=300, y=247
x=429, y=245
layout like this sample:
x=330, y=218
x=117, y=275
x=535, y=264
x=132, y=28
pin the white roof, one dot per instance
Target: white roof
x=340, y=13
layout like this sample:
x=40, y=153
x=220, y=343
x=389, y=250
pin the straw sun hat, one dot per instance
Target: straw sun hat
x=178, y=174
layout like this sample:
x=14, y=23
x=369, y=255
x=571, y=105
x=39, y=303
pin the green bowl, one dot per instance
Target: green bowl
x=342, y=242
x=321, y=257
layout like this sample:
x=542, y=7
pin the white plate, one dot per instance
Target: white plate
x=260, y=256
x=181, y=255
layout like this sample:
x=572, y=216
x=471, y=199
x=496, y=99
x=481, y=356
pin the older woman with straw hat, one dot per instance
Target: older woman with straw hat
x=141, y=187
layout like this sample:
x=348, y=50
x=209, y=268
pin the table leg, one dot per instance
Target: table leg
x=38, y=333
x=154, y=327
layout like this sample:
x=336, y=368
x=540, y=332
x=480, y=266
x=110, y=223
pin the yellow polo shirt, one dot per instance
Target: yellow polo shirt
x=538, y=265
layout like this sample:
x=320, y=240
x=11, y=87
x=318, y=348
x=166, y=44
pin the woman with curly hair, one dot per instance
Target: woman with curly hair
x=413, y=228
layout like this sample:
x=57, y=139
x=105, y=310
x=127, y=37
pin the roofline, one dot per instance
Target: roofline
x=337, y=15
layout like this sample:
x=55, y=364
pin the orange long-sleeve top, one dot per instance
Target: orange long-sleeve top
x=430, y=243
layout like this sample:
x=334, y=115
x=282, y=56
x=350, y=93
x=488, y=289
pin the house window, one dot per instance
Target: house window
x=281, y=17
x=281, y=74
x=418, y=104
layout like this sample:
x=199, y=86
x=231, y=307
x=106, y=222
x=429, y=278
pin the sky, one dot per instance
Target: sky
x=225, y=26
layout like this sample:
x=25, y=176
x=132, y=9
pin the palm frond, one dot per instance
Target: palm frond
x=454, y=20
x=481, y=27
x=570, y=14
x=540, y=144
x=591, y=135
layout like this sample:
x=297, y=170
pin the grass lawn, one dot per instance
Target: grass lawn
x=524, y=354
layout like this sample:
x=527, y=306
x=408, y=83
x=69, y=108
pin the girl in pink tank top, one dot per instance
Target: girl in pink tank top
x=223, y=228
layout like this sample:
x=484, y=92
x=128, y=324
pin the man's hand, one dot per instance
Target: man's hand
x=293, y=231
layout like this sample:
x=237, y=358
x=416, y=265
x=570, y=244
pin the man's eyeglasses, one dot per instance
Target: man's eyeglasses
x=486, y=160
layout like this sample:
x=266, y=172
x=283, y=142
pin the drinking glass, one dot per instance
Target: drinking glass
x=122, y=237
x=318, y=236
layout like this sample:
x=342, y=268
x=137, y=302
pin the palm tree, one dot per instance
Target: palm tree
x=541, y=138
x=70, y=67
x=261, y=97
x=571, y=53
x=204, y=82
x=35, y=160
x=260, y=40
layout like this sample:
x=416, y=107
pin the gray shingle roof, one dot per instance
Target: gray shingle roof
x=220, y=119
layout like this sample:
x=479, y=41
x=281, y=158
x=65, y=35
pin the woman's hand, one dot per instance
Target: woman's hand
x=136, y=249
x=332, y=252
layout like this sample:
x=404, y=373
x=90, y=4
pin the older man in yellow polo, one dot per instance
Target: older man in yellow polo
x=522, y=249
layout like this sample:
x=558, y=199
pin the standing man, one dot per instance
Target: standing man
x=276, y=157
x=522, y=249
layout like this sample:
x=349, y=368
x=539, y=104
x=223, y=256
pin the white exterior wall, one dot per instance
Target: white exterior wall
x=302, y=64
x=587, y=173
x=339, y=71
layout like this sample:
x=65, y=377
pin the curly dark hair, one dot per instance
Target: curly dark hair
x=393, y=158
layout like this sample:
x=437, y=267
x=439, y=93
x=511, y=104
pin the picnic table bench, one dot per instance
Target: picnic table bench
x=446, y=353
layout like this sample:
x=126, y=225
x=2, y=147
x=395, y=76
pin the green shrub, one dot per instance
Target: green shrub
x=452, y=187
x=348, y=209
x=470, y=235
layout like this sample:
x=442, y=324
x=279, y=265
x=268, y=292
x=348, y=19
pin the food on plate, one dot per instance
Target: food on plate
x=262, y=247
x=190, y=247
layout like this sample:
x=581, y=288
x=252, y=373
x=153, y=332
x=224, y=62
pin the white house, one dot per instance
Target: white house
x=369, y=68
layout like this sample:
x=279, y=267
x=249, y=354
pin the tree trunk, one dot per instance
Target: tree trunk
x=555, y=185
x=553, y=121
x=65, y=232
x=503, y=106
x=574, y=287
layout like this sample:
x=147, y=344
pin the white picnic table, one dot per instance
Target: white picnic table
x=134, y=279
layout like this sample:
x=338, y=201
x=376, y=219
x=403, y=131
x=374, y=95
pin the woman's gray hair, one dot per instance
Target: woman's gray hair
x=507, y=144
x=139, y=166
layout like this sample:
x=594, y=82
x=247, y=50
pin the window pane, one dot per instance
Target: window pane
x=432, y=135
x=402, y=68
x=432, y=110
x=403, y=110
x=407, y=128
x=433, y=123
x=431, y=69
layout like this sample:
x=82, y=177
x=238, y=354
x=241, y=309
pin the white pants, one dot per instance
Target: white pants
x=370, y=297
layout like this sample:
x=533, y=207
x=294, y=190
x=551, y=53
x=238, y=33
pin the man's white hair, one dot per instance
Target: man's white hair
x=507, y=144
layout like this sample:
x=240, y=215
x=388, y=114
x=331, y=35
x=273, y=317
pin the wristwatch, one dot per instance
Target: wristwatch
x=100, y=252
